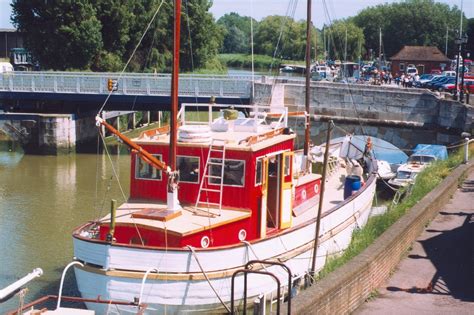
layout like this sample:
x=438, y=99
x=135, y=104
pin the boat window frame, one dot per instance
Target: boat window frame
x=139, y=160
x=199, y=168
x=223, y=183
x=257, y=160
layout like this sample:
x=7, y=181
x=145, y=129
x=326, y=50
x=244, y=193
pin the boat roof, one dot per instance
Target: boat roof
x=438, y=151
x=261, y=128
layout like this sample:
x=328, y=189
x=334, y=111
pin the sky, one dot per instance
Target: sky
x=258, y=9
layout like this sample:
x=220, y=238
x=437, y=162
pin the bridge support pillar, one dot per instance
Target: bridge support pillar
x=50, y=134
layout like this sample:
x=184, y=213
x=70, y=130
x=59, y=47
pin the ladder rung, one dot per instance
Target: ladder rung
x=212, y=176
x=212, y=163
x=208, y=203
x=211, y=190
x=216, y=150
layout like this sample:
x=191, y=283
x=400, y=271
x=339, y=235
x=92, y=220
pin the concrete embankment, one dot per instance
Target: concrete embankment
x=344, y=290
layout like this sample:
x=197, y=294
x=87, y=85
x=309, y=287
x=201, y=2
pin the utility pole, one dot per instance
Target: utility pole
x=380, y=48
x=446, y=48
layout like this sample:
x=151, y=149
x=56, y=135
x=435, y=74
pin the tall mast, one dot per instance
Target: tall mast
x=380, y=48
x=172, y=196
x=308, y=78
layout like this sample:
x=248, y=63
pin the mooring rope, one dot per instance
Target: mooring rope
x=205, y=276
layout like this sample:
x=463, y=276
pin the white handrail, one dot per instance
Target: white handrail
x=62, y=280
x=143, y=283
x=18, y=284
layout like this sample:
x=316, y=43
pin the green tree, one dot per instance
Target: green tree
x=284, y=36
x=470, y=37
x=64, y=35
x=102, y=34
x=237, y=33
x=346, y=39
x=411, y=22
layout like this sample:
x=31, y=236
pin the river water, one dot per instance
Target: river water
x=42, y=199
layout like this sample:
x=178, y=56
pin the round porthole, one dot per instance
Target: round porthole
x=205, y=242
x=316, y=189
x=303, y=195
x=242, y=235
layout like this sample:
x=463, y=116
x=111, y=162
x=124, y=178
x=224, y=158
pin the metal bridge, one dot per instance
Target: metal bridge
x=88, y=90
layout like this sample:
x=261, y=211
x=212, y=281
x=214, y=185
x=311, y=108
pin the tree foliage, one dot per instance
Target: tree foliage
x=470, y=37
x=284, y=36
x=102, y=34
x=346, y=41
x=411, y=22
x=237, y=33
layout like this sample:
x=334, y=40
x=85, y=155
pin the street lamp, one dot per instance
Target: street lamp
x=460, y=41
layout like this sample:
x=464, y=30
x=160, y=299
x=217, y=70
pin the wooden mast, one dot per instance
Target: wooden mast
x=308, y=81
x=173, y=175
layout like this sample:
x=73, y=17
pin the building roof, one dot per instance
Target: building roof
x=7, y=30
x=420, y=53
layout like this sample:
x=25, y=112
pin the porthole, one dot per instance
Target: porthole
x=205, y=242
x=303, y=195
x=316, y=189
x=242, y=235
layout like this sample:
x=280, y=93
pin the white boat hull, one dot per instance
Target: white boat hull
x=180, y=285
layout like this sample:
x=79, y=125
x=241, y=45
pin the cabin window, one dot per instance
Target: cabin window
x=258, y=172
x=402, y=66
x=234, y=171
x=287, y=165
x=188, y=167
x=143, y=170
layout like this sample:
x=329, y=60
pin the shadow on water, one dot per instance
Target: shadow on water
x=452, y=253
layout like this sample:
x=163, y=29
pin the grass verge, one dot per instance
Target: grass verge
x=425, y=182
x=261, y=62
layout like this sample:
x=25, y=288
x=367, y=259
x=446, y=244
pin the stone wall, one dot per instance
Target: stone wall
x=390, y=113
x=344, y=290
x=49, y=133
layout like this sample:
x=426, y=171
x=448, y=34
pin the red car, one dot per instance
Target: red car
x=468, y=84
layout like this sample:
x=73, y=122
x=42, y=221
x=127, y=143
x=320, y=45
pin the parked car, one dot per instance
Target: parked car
x=468, y=85
x=435, y=78
x=411, y=71
x=449, y=73
x=440, y=79
x=435, y=71
x=423, y=79
x=438, y=86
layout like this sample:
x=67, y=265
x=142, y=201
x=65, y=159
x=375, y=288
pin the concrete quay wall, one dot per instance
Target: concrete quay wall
x=397, y=109
x=344, y=290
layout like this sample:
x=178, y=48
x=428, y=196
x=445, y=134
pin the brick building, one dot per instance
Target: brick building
x=425, y=58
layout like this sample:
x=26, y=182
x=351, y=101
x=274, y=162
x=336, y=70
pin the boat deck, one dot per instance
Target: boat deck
x=189, y=222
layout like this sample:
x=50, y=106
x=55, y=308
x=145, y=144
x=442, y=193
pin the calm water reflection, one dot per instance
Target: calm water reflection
x=42, y=198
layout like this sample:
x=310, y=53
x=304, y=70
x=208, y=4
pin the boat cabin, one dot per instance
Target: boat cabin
x=238, y=180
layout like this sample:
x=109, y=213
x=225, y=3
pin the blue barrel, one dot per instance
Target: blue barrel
x=352, y=183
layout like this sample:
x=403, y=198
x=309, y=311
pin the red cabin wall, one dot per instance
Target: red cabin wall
x=246, y=197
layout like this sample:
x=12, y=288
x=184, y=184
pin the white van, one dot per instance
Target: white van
x=449, y=73
x=6, y=67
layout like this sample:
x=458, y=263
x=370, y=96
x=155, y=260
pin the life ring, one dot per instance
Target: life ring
x=194, y=133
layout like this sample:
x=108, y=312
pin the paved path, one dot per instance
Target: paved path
x=437, y=276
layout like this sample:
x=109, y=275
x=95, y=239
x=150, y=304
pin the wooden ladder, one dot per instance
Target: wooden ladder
x=216, y=151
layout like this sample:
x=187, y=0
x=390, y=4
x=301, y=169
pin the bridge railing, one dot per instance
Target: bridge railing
x=128, y=84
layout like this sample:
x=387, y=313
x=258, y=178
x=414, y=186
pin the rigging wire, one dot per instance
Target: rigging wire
x=121, y=189
x=133, y=53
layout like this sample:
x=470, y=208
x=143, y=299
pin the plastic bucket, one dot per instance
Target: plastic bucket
x=352, y=183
